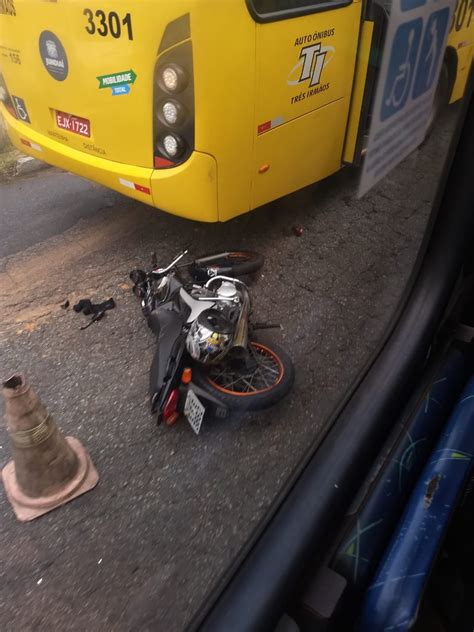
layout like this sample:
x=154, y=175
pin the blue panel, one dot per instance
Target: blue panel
x=393, y=598
x=360, y=552
x=401, y=67
x=431, y=51
x=408, y=5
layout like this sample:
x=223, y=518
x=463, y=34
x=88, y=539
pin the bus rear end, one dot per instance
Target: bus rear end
x=107, y=91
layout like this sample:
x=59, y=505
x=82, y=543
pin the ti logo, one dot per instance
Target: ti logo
x=311, y=63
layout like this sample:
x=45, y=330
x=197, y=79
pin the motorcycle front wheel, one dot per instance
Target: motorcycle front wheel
x=267, y=381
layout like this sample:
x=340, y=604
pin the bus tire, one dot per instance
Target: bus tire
x=440, y=100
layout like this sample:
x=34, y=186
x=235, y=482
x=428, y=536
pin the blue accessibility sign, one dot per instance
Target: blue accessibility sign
x=431, y=51
x=125, y=89
x=415, y=42
x=20, y=108
x=401, y=67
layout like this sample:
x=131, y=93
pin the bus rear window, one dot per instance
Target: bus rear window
x=279, y=9
x=264, y=7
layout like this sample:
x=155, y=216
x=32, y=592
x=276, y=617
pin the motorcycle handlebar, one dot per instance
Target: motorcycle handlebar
x=220, y=277
x=162, y=271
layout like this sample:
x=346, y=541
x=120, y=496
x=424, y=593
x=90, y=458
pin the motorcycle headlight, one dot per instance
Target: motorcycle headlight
x=209, y=337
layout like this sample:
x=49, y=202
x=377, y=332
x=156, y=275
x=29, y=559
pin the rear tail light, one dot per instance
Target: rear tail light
x=173, y=104
x=172, y=112
x=186, y=376
x=172, y=78
x=170, y=410
x=172, y=146
x=162, y=163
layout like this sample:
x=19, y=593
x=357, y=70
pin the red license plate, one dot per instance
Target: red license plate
x=74, y=124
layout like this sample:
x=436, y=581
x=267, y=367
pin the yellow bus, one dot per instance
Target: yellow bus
x=202, y=108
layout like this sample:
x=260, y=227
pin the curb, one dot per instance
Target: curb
x=27, y=164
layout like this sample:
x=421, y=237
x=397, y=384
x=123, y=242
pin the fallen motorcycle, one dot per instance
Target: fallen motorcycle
x=208, y=361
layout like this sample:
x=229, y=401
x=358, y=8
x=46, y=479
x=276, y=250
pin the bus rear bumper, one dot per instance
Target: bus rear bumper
x=189, y=190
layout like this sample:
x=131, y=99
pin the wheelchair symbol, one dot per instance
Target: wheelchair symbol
x=401, y=85
x=21, y=110
x=401, y=67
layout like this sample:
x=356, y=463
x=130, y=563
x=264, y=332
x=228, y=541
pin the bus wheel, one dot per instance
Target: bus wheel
x=440, y=100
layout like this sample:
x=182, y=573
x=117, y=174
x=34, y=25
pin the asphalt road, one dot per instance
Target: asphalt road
x=171, y=511
x=48, y=203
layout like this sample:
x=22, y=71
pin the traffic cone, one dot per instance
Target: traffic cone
x=47, y=470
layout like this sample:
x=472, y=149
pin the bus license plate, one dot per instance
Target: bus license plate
x=74, y=124
x=194, y=411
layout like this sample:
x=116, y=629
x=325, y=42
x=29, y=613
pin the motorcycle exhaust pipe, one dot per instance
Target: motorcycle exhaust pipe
x=241, y=336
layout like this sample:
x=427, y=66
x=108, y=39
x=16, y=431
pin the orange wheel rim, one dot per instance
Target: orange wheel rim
x=238, y=255
x=268, y=374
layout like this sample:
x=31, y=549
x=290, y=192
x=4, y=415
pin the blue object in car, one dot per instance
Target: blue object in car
x=393, y=599
x=395, y=475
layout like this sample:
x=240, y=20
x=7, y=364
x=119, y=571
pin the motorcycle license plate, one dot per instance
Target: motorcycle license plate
x=194, y=411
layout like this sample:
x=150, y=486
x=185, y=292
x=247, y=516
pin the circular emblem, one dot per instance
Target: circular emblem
x=53, y=55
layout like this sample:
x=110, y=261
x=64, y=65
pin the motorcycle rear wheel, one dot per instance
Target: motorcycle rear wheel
x=271, y=380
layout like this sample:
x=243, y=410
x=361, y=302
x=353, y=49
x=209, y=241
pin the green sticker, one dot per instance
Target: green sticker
x=116, y=79
x=459, y=455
